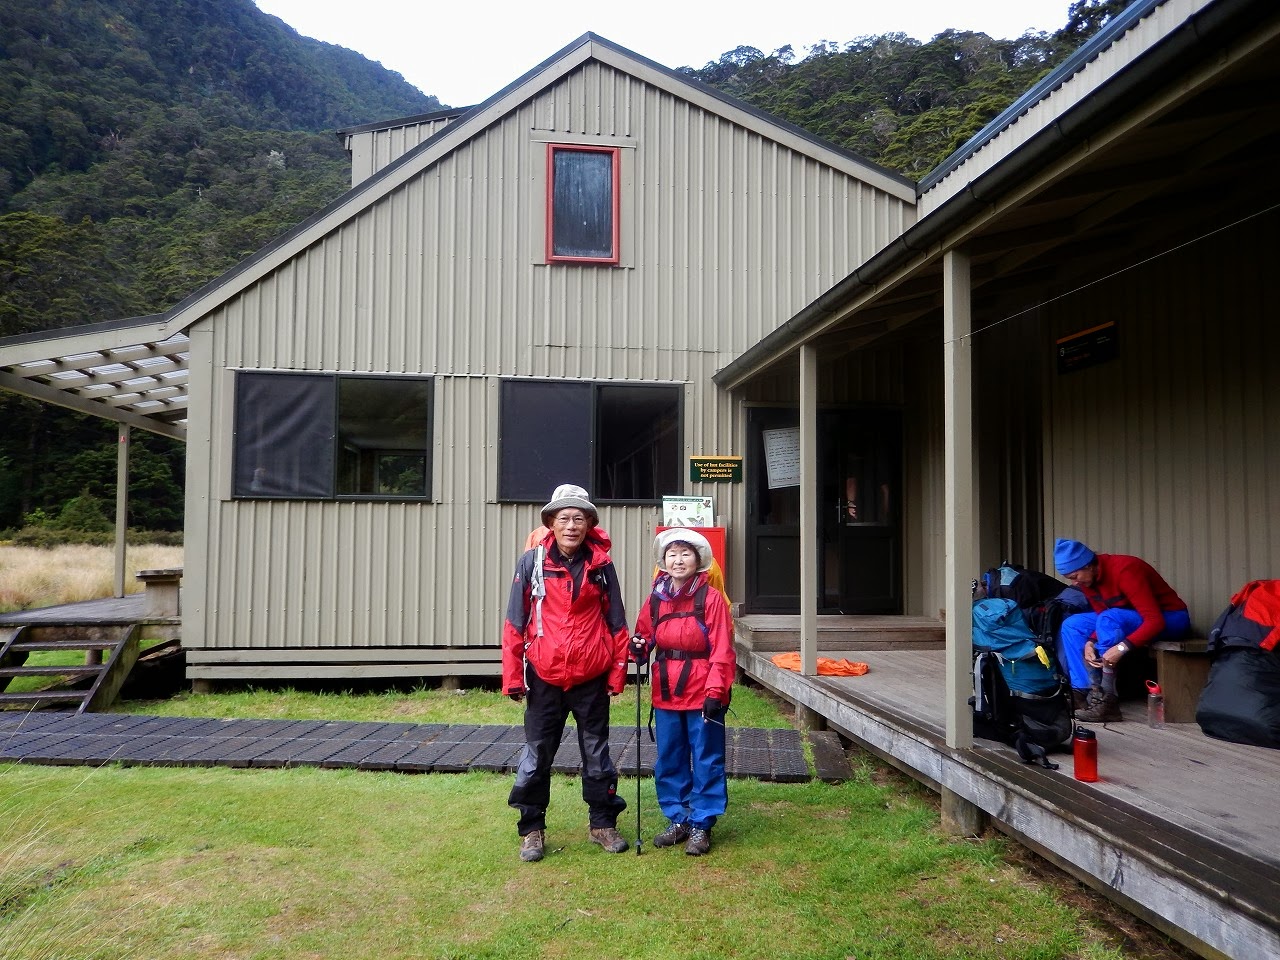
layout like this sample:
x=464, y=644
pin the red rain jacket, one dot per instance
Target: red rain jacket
x=711, y=676
x=584, y=625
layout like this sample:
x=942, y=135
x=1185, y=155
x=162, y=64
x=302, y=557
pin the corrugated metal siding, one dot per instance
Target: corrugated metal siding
x=1008, y=405
x=732, y=235
x=924, y=503
x=371, y=150
x=1172, y=451
x=1163, y=20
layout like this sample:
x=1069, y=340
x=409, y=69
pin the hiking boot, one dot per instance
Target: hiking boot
x=1080, y=698
x=1105, y=709
x=676, y=833
x=532, y=845
x=607, y=837
x=699, y=842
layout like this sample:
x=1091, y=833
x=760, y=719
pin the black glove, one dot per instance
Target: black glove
x=640, y=649
x=712, y=709
x=516, y=694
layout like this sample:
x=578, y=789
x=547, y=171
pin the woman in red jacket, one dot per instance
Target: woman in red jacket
x=687, y=627
x=564, y=644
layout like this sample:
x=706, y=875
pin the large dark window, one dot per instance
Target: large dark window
x=620, y=441
x=318, y=436
x=582, y=204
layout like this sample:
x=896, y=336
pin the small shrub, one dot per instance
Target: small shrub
x=84, y=514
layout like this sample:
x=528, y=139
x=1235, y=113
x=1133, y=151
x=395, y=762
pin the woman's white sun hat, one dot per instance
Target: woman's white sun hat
x=682, y=535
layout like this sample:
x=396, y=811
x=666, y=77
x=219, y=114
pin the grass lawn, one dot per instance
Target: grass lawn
x=307, y=863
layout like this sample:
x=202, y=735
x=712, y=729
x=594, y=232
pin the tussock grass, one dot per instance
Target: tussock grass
x=37, y=577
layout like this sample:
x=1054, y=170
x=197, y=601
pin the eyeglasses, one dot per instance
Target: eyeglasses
x=576, y=520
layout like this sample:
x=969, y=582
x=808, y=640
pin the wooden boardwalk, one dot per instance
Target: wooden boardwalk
x=94, y=739
x=1182, y=830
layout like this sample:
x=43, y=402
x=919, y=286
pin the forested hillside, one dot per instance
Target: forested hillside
x=147, y=146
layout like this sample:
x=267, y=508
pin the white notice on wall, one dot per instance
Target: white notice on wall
x=687, y=512
x=782, y=457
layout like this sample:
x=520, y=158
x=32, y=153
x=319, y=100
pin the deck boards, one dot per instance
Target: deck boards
x=1181, y=828
x=1176, y=772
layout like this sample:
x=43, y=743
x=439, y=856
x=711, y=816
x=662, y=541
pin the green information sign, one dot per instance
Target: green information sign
x=715, y=469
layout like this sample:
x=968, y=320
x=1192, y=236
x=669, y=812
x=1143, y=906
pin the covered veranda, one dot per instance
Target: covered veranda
x=1142, y=165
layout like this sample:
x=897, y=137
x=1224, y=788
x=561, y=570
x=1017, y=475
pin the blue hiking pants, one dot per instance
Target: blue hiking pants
x=688, y=772
x=1107, y=629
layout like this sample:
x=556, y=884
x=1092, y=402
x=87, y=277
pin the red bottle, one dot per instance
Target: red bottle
x=1084, y=748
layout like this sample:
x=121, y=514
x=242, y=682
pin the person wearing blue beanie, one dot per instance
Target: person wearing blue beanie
x=1070, y=555
x=1131, y=606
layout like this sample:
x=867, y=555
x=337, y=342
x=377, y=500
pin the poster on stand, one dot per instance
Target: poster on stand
x=687, y=512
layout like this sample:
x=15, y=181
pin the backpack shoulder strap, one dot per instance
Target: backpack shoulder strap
x=538, y=585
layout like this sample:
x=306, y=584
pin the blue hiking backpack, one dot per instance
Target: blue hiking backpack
x=1019, y=694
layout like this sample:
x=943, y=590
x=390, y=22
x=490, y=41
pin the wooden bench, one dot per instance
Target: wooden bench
x=1182, y=667
x=163, y=591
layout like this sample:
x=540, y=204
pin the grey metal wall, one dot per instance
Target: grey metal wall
x=1172, y=451
x=726, y=235
x=371, y=150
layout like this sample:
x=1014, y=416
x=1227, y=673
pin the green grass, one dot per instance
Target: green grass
x=421, y=705
x=306, y=863
x=179, y=863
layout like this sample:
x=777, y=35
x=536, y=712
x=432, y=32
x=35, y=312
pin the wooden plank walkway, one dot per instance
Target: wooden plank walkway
x=62, y=738
x=1183, y=830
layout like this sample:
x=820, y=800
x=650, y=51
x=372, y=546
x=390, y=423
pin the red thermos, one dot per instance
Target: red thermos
x=1084, y=748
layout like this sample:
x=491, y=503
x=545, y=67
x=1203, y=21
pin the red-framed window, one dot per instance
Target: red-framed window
x=582, y=204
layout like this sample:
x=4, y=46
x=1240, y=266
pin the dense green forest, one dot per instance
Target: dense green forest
x=147, y=146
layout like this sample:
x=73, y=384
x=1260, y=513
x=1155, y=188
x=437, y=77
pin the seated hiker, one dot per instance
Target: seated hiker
x=1132, y=605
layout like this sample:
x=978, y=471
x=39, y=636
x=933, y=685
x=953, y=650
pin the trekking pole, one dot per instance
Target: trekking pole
x=639, y=744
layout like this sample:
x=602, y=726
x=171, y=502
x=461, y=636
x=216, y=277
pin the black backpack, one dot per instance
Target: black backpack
x=1030, y=589
x=1240, y=701
x=1036, y=717
x=1019, y=695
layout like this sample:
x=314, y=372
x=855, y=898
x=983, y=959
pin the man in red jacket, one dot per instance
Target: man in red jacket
x=564, y=650
x=1132, y=605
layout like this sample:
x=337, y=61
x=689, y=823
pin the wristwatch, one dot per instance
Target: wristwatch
x=1123, y=647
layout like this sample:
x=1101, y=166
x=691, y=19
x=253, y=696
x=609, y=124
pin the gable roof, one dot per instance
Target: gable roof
x=96, y=368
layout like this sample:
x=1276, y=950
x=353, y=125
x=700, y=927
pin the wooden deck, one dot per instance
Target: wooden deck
x=110, y=611
x=1182, y=830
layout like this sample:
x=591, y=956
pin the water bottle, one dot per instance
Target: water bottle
x=1084, y=748
x=1155, y=705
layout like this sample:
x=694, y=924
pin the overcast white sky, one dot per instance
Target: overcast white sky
x=467, y=50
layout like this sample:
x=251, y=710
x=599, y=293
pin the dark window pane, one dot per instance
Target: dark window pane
x=637, y=442
x=545, y=438
x=384, y=431
x=582, y=204
x=284, y=435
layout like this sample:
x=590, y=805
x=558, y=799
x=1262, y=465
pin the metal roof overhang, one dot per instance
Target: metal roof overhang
x=131, y=371
x=1180, y=144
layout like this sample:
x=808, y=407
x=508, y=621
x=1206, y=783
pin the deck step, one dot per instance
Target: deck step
x=51, y=671
x=33, y=646
x=89, y=686
x=42, y=696
x=778, y=633
x=829, y=759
